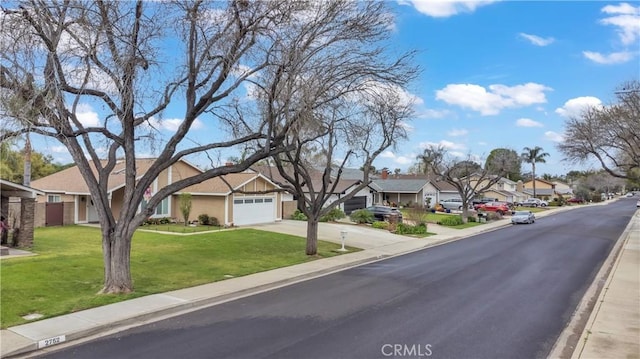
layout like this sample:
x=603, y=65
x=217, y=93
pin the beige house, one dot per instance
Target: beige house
x=69, y=202
x=545, y=190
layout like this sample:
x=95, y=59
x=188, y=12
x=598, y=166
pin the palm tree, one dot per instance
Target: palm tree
x=533, y=156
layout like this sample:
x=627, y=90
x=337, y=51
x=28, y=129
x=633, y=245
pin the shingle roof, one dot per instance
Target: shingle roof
x=70, y=180
x=274, y=175
x=400, y=185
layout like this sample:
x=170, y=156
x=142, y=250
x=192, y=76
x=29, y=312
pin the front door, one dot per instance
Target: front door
x=92, y=213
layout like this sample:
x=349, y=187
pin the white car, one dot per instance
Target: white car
x=534, y=202
x=452, y=204
x=523, y=217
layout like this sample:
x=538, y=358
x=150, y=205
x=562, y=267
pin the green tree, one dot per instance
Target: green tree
x=185, y=206
x=533, y=156
x=501, y=156
x=12, y=164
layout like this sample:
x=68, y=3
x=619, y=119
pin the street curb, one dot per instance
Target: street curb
x=574, y=336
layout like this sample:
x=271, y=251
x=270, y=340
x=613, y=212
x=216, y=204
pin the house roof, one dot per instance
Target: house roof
x=273, y=174
x=12, y=189
x=540, y=191
x=70, y=180
x=443, y=186
x=220, y=185
x=540, y=180
x=400, y=185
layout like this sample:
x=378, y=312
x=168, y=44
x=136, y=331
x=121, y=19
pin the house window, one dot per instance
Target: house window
x=162, y=209
x=53, y=198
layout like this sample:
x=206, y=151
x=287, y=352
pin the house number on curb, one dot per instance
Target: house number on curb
x=51, y=341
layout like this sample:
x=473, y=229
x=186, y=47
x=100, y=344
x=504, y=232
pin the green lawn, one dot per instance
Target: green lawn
x=179, y=228
x=68, y=271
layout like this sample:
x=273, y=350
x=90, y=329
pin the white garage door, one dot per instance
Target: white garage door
x=253, y=210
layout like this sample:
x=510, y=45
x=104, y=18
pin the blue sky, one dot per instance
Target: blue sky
x=495, y=74
x=506, y=74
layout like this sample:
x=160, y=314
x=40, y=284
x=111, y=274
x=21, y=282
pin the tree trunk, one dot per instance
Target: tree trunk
x=116, y=248
x=465, y=213
x=534, y=179
x=312, y=237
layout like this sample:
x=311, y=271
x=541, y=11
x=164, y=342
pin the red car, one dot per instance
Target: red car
x=575, y=200
x=499, y=207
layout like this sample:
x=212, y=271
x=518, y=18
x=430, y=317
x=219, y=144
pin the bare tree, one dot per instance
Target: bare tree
x=610, y=134
x=466, y=175
x=58, y=56
x=313, y=170
x=350, y=98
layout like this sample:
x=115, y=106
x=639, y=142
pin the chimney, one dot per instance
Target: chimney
x=385, y=173
x=519, y=186
x=228, y=164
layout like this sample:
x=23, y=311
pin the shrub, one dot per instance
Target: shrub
x=380, y=225
x=451, y=221
x=471, y=219
x=203, y=219
x=409, y=229
x=362, y=216
x=298, y=216
x=416, y=215
x=333, y=215
x=493, y=216
x=157, y=221
x=213, y=221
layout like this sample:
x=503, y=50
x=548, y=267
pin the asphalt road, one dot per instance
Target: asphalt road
x=503, y=294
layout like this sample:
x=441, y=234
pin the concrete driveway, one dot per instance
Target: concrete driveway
x=357, y=236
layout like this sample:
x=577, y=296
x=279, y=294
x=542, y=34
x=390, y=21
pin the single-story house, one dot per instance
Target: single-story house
x=213, y=197
x=408, y=191
x=362, y=199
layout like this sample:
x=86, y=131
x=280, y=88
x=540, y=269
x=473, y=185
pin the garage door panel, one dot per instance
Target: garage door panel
x=248, y=211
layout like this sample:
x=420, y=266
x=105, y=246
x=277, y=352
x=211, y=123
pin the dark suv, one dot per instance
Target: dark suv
x=382, y=213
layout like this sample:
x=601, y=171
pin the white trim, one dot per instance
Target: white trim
x=76, y=199
x=226, y=210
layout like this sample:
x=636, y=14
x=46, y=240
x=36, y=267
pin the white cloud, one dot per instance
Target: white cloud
x=431, y=113
x=537, y=40
x=457, y=132
x=575, y=106
x=526, y=122
x=87, y=116
x=609, y=59
x=402, y=160
x=439, y=8
x=626, y=19
x=448, y=145
x=553, y=136
x=492, y=100
x=172, y=124
x=387, y=154
x=58, y=149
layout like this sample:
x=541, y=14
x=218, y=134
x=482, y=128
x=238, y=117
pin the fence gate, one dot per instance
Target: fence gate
x=54, y=214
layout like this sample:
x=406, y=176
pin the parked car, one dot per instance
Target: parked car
x=452, y=203
x=630, y=194
x=638, y=204
x=523, y=217
x=534, y=202
x=575, y=200
x=499, y=207
x=382, y=213
x=478, y=201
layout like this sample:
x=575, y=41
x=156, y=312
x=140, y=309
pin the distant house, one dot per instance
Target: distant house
x=214, y=197
x=544, y=189
x=505, y=190
x=345, y=186
x=563, y=189
x=411, y=190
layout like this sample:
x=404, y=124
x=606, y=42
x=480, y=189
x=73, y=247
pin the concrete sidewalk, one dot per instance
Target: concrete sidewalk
x=377, y=245
x=613, y=329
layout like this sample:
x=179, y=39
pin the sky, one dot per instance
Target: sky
x=497, y=74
